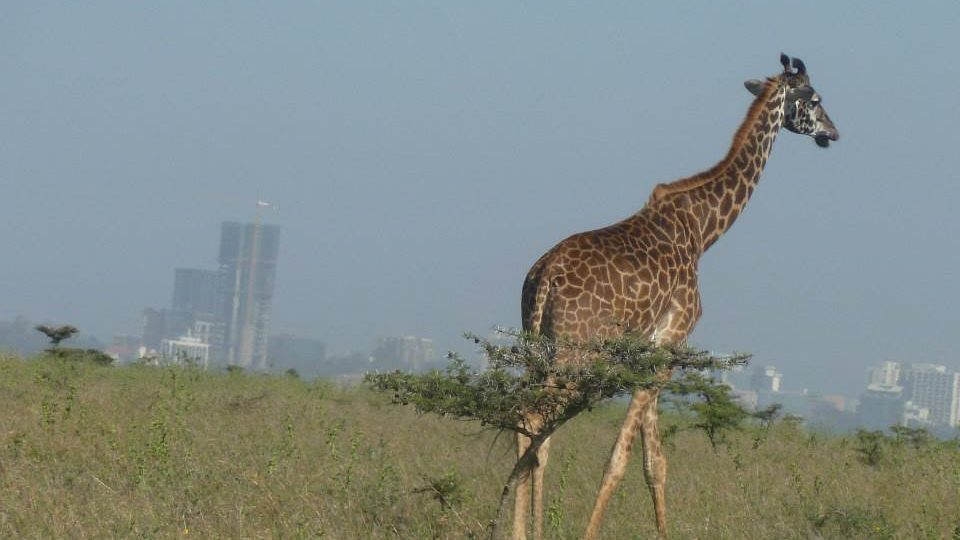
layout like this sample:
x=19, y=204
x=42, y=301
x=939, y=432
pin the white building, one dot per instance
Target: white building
x=932, y=387
x=185, y=349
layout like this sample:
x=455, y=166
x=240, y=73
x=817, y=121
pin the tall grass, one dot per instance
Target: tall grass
x=137, y=452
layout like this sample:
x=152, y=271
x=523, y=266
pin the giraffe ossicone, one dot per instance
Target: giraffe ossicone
x=639, y=276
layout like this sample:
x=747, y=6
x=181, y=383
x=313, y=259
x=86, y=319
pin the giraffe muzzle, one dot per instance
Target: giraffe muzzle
x=823, y=139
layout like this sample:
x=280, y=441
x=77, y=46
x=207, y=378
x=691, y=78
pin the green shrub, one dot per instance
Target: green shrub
x=871, y=446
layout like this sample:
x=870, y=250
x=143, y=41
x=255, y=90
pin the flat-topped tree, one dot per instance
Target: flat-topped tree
x=57, y=333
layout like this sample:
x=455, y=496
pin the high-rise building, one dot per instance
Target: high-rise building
x=934, y=388
x=195, y=291
x=248, y=262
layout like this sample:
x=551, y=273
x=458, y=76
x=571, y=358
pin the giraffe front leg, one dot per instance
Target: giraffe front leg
x=655, y=463
x=617, y=465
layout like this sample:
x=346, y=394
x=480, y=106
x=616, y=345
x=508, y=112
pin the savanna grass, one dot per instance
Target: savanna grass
x=98, y=452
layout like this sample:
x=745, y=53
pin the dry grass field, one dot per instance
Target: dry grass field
x=136, y=452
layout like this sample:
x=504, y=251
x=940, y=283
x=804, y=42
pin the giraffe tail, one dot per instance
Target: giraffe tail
x=535, y=297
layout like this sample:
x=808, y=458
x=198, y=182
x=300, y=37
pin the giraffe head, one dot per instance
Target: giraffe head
x=803, y=110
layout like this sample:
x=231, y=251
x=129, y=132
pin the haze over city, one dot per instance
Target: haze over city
x=423, y=155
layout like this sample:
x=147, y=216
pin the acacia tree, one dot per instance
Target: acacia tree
x=523, y=379
x=60, y=333
x=57, y=333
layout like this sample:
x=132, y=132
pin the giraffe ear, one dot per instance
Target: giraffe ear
x=754, y=86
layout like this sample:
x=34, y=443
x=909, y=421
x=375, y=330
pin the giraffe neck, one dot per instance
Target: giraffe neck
x=714, y=198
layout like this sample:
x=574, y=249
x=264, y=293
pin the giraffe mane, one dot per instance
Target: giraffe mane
x=739, y=139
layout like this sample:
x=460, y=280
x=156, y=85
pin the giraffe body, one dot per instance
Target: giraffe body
x=639, y=277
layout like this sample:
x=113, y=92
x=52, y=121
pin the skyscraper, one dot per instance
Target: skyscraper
x=195, y=291
x=248, y=262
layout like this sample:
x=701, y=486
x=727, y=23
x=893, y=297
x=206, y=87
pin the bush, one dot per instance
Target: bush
x=870, y=446
x=92, y=356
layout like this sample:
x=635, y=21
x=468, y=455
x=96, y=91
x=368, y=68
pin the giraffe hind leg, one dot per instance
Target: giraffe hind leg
x=543, y=453
x=530, y=483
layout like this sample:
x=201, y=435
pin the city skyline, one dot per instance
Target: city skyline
x=187, y=278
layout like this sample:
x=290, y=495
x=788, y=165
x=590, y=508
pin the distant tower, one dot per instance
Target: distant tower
x=248, y=262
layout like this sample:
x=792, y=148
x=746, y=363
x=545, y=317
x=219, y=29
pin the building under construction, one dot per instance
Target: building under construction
x=248, y=262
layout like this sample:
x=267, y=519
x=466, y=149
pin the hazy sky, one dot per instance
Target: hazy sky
x=424, y=154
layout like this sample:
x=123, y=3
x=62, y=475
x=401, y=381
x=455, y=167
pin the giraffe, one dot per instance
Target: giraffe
x=639, y=276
